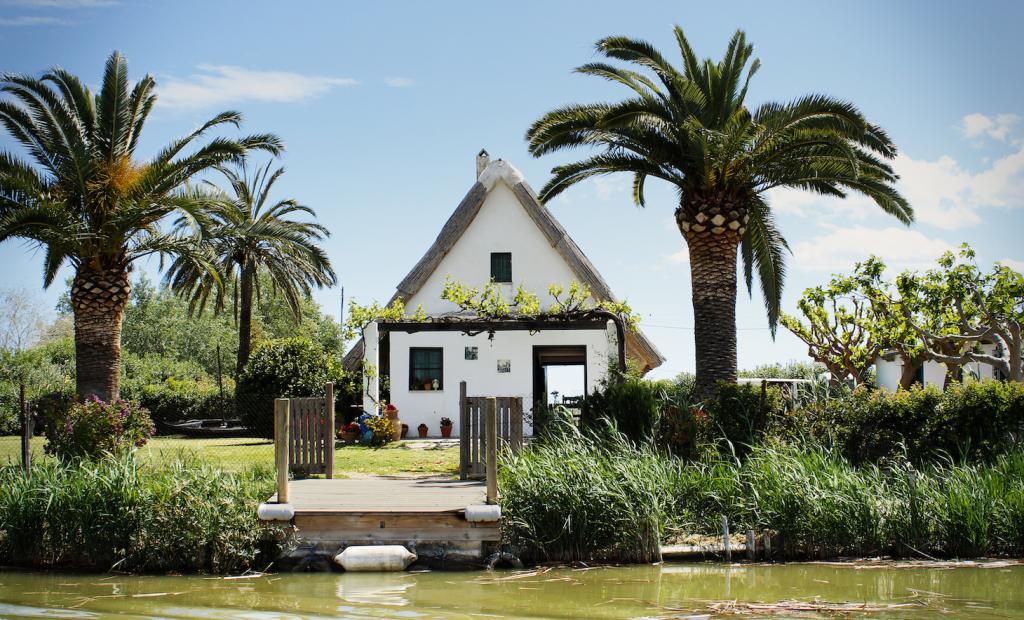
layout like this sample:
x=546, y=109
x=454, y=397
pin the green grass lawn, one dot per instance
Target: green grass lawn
x=240, y=453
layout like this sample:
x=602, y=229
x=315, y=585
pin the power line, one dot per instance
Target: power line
x=741, y=329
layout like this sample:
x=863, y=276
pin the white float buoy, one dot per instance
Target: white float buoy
x=483, y=513
x=275, y=512
x=375, y=558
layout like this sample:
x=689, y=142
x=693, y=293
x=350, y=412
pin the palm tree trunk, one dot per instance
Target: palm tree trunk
x=713, y=279
x=244, y=318
x=98, y=298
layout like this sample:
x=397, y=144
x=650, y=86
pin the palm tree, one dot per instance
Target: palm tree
x=689, y=126
x=250, y=235
x=86, y=200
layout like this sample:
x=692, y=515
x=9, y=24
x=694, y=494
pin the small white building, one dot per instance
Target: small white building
x=889, y=369
x=500, y=232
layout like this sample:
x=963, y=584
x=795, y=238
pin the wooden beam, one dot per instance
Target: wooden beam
x=471, y=325
x=329, y=431
x=492, y=450
x=281, y=424
x=464, y=432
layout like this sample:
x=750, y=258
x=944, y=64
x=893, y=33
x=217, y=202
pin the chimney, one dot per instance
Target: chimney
x=482, y=159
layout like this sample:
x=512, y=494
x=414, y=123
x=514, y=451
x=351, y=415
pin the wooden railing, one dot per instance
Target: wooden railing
x=474, y=435
x=303, y=438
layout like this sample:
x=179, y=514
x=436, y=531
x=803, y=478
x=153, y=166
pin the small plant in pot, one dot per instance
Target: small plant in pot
x=422, y=430
x=349, y=433
x=446, y=427
x=405, y=430
x=391, y=411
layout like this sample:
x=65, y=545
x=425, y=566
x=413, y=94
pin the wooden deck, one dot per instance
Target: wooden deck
x=388, y=510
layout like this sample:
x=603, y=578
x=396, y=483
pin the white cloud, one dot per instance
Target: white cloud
x=681, y=257
x=941, y=191
x=30, y=20
x=839, y=249
x=608, y=186
x=399, y=82
x=1012, y=263
x=223, y=84
x=997, y=127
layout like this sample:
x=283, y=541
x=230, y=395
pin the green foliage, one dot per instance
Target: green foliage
x=737, y=417
x=381, y=427
x=285, y=368
x=789, y=370
x=974, y=420
x=114, y=514
x=574, y=497
x=584, y=497
x=632, y=405
x=93, y=428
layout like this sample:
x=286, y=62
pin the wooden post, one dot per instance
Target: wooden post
x=281, y=424
x=767, y=540
x=751, y=546
x=329, y=430
x=26, y=432
x=725, y=538
x=516, y=421
x=492, y=450
x=464, y=433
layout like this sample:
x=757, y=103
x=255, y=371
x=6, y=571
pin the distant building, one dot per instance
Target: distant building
x=889, y=369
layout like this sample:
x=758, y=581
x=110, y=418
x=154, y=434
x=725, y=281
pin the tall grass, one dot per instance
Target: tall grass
x=115, y=514
x=580, y=496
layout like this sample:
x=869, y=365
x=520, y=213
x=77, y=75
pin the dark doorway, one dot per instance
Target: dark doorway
x=571, y=363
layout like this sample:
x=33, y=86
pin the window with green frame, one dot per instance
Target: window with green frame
x=426, y=368
x=501, y=266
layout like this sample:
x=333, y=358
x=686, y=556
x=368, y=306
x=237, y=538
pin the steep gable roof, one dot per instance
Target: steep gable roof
x=638, y=347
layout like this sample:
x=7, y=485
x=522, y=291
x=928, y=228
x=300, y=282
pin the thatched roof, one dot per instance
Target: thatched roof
x=638, y=347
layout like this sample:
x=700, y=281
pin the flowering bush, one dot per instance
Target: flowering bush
x=390, y=407
x=90, y=429
x=381, y=428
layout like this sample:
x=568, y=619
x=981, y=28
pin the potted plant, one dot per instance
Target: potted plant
x=422, y=430
x=405, y=430
x=446, y=427
x=349, y=432
x=428, y=385
x=391, y=411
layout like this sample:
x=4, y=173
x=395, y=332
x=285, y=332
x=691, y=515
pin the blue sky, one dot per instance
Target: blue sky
x=383, y=106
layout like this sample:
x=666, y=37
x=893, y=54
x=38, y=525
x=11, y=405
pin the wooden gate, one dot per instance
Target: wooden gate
x=311, y=434
x=472, y=430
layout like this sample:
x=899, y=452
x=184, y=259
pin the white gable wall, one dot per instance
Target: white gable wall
x=888, y=372
x=502, y=225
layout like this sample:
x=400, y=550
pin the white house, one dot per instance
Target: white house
x=499, y=231
x=889, y=369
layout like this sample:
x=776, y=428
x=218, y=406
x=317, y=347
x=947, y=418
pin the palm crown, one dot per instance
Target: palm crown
x=86, y=200
x=690, y=126
x=248, y=233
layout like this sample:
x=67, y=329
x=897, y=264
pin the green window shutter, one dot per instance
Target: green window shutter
x=501, y=266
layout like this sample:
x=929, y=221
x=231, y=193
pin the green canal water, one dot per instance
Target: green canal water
x=667, y=591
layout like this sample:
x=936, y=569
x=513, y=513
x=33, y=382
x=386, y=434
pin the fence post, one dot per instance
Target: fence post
x=751, y=546
x=492, y=450
x=725, y=538
x=281, y=424
x=26, y=432
x=329, y=431
x=464, y=433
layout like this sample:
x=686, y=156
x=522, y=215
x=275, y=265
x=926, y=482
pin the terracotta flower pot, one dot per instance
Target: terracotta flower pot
x=391, y=414
x=446, y=431
x=396, y=430
x=422, y=430
x=405, y=431
x=348, y=437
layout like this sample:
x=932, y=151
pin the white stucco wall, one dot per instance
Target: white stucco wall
x=888, y=372
x=502, y=225
x=481, y=375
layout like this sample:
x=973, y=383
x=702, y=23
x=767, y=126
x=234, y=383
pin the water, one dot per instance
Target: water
x=668, y=591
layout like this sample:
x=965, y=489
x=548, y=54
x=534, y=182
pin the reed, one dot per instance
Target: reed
x=115, y=514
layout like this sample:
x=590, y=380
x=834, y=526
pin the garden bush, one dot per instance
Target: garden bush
x=973, y=420
x=630, y=403
x=114, y=514
x=737, y=417
x=93, y=428
x=279, y=369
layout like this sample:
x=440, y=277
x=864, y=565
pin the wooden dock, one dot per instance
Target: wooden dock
x=388, y=510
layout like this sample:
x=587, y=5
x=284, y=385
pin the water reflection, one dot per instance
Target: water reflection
x=629, y=592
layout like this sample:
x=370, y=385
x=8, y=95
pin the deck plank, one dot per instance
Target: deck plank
x=384, y=495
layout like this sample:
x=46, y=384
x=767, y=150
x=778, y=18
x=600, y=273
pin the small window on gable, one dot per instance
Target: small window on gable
x=501, y=266
x=426, y=368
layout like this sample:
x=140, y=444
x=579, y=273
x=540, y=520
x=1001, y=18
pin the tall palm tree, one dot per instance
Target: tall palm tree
x=250, y=235
x=690, y=126
x=84, y=197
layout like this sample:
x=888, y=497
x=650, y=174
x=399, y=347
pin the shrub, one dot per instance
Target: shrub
x=116, y=514
x=974, y=420
x=381, y=428
x=738, y=415
x=282, y=369
x=631, y=404
x=90, y=429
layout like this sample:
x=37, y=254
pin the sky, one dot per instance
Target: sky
x=384, y=105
